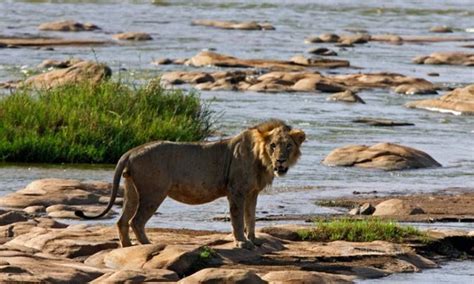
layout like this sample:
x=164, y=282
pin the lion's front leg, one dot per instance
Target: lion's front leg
x=236, y=204
x=250, y=207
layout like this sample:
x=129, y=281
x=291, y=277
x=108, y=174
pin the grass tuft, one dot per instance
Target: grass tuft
x=84, y=123
x=360, y=231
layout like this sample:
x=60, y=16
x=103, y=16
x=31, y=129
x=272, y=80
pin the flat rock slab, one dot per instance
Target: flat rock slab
x=220, y=275
x=382, y=122
x=48, y=192
x=67, y=26
x=459, y=102
x=384, y=156
x=138, y=276
x=83, y=71
x=298, y=276
x=447, y=58
x=251, y=80
x=234, y=25
x=42, y=41
x=209, y=58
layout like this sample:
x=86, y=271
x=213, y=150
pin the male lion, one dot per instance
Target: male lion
x=196, y=173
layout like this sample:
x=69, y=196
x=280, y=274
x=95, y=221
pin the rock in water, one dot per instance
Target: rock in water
x=347, y=97
x=67, y=26
x=384, y=156
x=134, y=36
x=396, y=207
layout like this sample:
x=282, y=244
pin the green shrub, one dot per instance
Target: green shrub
x=360, y=231
x=84, y=123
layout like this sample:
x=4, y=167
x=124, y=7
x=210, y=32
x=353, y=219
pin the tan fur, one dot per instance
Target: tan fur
x=195, y=173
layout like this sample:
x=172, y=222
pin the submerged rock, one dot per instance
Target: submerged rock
x=441, y=29
x=459, y=101
x=322, y=51
x=384, y=156
x=68, y=26
x=381, y=122
x=79, y=72
x=46, y=41
x=347, y=97
x=134, y=36
x=234, y=25
x=448, y=58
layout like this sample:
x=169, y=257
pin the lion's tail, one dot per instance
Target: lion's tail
x=116, y=183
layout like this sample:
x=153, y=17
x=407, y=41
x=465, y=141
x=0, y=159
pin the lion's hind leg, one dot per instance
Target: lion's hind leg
x=130, y=205
x=147, y=206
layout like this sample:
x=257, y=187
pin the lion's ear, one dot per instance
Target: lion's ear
x=298, y=135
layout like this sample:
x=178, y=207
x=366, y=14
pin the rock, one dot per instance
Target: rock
x=328, y=37
x=221, y=275
x=234, y=25
x=384, y=156
x=459, y=101
x=354, y=211
x=135, y=36
x=299, y=276
x=179, y=258
x=285, y=232
x=366, y=209
x=71, y=242
x=67, y=211
x=396, y=207
x=82, y=71
x=19, y=228
x=42, y=41
x=27, y=266
x=12, y=217
x=441, y=29
x=48, y=63
x=34, y=210
x=414, y=90
x=163, y=61
x=322, y=51
x=389, y=38
x=67, y=26
x=448, y=58
x=381, y=122
x=347, y=97
x=319, y=62
x=47, y=192
x=355, y=39
x=138, y=276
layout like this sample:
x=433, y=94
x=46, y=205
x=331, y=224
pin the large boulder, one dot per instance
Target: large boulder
x=396, y=207
x=385, y=156
x=221, y=275
x=447, y=58
x=299, y=276
x=89, y=71
x=234, y=25
x=68, y=26
x=458, y=101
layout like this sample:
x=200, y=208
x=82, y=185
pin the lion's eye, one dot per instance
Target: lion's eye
x=273, y=145
x=289, y=146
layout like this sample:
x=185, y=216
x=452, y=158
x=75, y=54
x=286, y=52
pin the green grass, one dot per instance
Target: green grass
x=84, y=123
x=360, y=231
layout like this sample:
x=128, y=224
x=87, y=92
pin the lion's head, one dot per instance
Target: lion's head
x=277, y=145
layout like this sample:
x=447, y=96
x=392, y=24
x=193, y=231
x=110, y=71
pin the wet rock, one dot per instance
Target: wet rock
x=42, y=41
x=384, y=156
x=441, y=29
x=68, y=26
x=138, y=276
x=234, y=25
x=408, y=89
x=79, y=72
x=28, y=266
x=448, y=58
x=48, y=63
x=133, y=36
x=382, y=122
x=47, y=192
x=328, y=37
x=396, y=207
x=388, y=38
x=354, y=39
x=163, y=61
x=322, y=51
x=12, y=217
x=347, y=97
x=221, y=275
x=298, y=276
x=458, y=101
x=354, y=211
x=209, y=58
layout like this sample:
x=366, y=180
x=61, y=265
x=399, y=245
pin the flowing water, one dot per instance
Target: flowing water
x=447, y=138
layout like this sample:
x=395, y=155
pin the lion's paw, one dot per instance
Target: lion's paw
x=245, y=245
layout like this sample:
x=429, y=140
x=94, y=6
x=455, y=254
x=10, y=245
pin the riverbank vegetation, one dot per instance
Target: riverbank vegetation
x=85, y=123
x=360, y=231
